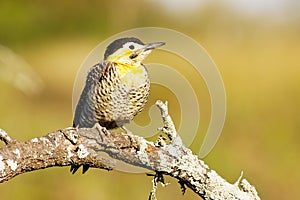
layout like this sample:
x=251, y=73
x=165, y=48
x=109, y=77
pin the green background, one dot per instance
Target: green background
x=257, y=55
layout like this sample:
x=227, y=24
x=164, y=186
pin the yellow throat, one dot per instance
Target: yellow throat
x=132, y=76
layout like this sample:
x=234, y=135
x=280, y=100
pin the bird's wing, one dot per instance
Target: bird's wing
x=85, y=115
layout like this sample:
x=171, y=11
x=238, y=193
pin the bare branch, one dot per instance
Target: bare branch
x=6, y=138
x=83, y=147
x=54, y=149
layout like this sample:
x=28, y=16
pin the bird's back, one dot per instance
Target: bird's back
x=85, y=110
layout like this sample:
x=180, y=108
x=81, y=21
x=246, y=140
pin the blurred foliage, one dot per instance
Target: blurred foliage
x=258, y=58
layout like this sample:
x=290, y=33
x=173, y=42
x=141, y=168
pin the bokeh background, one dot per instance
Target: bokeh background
x=255, y=44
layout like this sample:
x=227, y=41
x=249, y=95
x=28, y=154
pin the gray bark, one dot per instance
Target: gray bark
x=83, y=146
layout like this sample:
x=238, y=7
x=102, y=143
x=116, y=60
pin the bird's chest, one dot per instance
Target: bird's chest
x=121, y=84
x=122, y=93
x=132, y=77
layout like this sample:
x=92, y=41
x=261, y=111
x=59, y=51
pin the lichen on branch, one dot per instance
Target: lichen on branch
x=83, y=146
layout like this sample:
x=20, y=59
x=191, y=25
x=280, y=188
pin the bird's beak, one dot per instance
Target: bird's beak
x=146, y=49
x=152, y=45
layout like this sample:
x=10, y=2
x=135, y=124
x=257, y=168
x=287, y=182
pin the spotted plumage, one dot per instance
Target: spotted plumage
x=109, y=101
x=117, y=88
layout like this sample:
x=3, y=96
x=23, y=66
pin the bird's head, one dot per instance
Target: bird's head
x=129, y=51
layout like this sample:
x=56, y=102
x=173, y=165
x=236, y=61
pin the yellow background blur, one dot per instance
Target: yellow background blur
x=257, y=52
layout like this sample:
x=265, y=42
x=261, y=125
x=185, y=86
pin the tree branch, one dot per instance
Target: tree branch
x=83, y=146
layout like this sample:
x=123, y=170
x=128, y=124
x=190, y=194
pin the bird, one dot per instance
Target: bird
x=117, y=88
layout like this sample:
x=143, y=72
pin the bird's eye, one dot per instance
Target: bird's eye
x=131, y=47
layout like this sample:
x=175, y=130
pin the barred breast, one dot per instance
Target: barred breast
x=110, y=98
